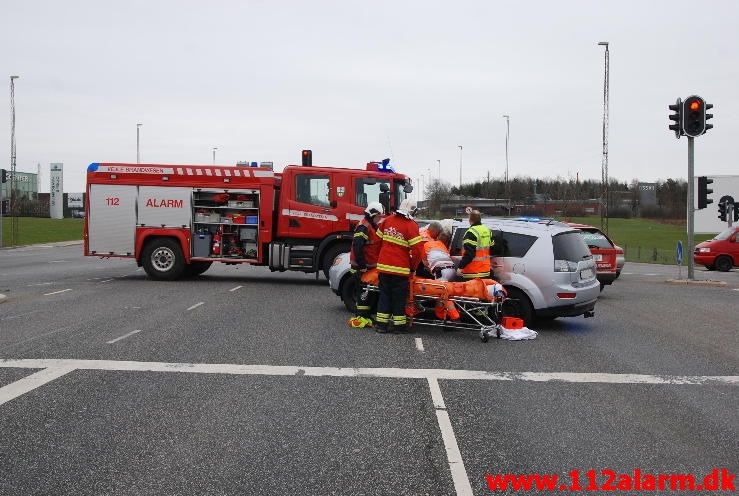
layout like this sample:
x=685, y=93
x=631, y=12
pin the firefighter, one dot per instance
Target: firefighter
x=363, y=257
x=400, y=254
x=477, y=242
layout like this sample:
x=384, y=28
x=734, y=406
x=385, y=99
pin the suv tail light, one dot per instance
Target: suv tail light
x=565, y=266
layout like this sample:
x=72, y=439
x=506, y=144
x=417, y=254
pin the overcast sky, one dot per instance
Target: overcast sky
x=360, y=81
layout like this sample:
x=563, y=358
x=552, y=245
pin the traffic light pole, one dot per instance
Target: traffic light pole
x=691, y=208
x=1, y=216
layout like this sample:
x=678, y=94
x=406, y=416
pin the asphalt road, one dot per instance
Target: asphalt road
x=247, y=382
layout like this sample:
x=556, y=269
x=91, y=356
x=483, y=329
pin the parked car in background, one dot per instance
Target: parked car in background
x=545, y=266
x=720, y=253
x=605, y=253
x=620, y=260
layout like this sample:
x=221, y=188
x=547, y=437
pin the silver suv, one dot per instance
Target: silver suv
x=546, y=267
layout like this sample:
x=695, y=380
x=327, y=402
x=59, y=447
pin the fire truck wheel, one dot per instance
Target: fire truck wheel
x=162, y=258
x=331, y=254
x=196, y=268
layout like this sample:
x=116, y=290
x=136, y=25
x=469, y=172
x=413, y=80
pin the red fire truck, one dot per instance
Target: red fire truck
x=176, y=220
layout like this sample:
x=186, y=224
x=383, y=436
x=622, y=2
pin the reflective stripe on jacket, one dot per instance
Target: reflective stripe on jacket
x=480, y=264
x=365, y=246
x=401, y=247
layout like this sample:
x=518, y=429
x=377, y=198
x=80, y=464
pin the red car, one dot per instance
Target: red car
x=604, y=251
x=720, y=253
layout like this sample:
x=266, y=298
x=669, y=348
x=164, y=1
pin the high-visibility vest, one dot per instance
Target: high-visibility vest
x=480, y=265
x=371, y=246
x=400, y=242
x=436, y=254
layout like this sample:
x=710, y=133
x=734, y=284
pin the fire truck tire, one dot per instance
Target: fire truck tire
x=330, y=255
x=162, y=258
x=196, y=268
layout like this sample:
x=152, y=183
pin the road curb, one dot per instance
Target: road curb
x=46, y=245
x=3, y=298
x=694, y=282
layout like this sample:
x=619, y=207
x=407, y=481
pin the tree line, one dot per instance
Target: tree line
x=671, y=194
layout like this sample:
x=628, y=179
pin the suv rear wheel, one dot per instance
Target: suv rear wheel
x=519, y=306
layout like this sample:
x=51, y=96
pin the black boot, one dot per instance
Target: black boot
x=381, y=328
x=401, y=329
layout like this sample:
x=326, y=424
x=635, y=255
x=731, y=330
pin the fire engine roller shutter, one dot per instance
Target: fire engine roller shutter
x=162, y=206
x=112, y=222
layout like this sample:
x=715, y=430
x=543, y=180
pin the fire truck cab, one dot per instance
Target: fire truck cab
x=176, y=220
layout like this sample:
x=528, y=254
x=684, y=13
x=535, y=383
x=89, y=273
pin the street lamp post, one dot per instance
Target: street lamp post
x=138, y=141
x=439, y=161
x=214, y=154
x=14, y=176
x=460, y=169
x=507, y=135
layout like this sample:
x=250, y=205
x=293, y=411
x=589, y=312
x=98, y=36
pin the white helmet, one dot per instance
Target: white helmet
x=408, y=208
x=374, y=208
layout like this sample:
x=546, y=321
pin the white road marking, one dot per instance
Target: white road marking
x=650, y=274
x=627, y=273
x=196, y=305
x=736, y=289
x=436, y=396
x=237, y=287
x=124, y=336
x=454, y=457
x=22, y=386
x=389, y=373
x=57, y=292
x=419, y=345
x=40, y=284
x=107, y=280
x=58, y=261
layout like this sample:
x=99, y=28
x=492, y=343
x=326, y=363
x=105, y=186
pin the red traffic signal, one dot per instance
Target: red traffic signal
x=694, y=116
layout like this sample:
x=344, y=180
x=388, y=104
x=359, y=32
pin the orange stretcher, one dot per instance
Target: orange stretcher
x=474, y=305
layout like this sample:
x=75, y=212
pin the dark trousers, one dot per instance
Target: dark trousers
x=393, y=296
x=362, y=297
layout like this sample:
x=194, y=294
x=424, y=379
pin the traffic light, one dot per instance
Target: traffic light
x=307, y=158
x=709, y=106
x=3, y=176
x=722, y=211
x=736, y=212
x=677, y=117
x=703, y=192
x=694, y=116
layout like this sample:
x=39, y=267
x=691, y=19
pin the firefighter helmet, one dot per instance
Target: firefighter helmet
x=374, y=208
x=407, y=208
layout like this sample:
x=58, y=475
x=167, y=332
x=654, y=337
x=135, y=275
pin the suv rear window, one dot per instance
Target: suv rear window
x=570, y=246
x=595, y=239
x=511, y=244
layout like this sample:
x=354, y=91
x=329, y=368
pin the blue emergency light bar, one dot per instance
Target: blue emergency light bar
x=383, y=166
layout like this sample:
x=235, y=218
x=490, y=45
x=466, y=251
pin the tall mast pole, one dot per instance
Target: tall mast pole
x=604, y=161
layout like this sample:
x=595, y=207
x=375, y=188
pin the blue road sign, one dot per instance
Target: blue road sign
x=679, y=252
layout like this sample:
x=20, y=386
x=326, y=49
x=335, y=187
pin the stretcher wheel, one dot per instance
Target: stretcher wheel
x=484, y=336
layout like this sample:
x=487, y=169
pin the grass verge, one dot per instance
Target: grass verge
x=33, y=230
